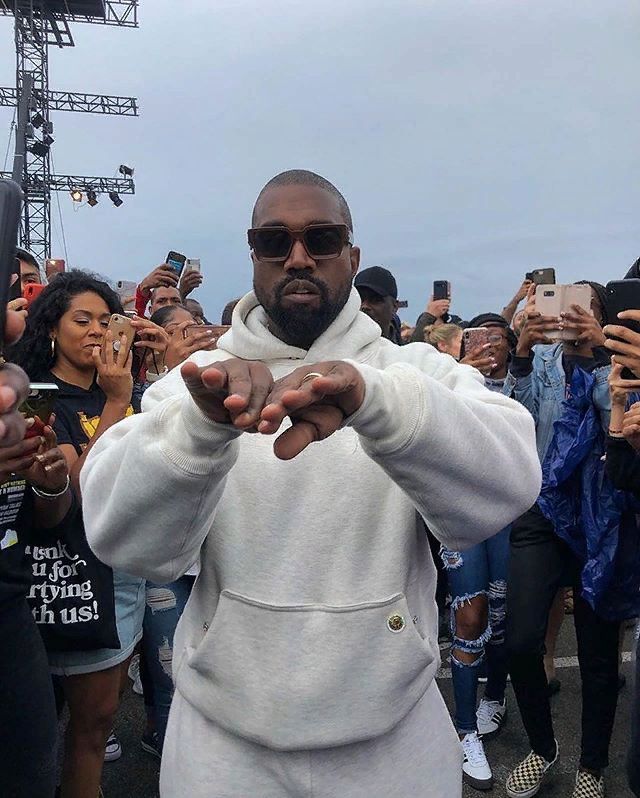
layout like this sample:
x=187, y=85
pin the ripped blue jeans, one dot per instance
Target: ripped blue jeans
x=165, y=605
x=480, y=571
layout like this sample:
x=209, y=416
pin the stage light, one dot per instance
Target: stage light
x=126, y=171
x=115, y=198
x=29, y=132
x=47, y=140
x=37, y=119
x=48, y=128
x=40, y=149
x=92, y=198
x=76, y=195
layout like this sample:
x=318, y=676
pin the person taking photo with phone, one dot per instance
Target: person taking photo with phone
x=564, y=386
x=477, y=581
x=623, y=468
x=310, y=627
x=67, y=341
x=34, y=497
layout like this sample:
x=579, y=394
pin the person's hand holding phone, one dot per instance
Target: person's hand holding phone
x=231, y=391
x=480, y=358
x=153, y=340
x=534, y=331
x=114, y=369
x=627, y=350
x=189, y=281
x=619, y=388
x=49, y=470
x=162, y=276
x=581, y=321
x=438, y=308
x=14, y=385
x=185, y=340
x=523, y=291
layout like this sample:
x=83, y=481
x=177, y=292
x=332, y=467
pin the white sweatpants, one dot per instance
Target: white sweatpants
x=420, y=758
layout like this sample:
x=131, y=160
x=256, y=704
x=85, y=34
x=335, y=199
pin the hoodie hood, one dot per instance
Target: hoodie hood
x=352, y=334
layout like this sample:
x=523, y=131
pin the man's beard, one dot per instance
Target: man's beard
x=301, y=325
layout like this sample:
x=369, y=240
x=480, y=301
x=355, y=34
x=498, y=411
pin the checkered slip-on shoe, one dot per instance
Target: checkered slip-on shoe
x=526, y=779
x=588, y=786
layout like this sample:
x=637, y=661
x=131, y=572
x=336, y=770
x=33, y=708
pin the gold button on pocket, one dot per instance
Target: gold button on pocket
x=395, y=623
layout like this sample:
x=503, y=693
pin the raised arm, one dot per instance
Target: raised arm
x=464, y=455
x=152, y=483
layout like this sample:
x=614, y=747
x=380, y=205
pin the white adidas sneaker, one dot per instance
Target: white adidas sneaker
x=475, y=768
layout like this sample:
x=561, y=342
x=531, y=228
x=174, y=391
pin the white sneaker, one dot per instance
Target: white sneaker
x=525, y=779
x=491, y=716
x=475, y=768
x=113, y=749
x=134, y=674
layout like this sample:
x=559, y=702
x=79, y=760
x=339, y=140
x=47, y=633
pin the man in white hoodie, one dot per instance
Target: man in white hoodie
x=304, y=662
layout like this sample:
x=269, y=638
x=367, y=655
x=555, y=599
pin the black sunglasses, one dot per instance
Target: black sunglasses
x=321, y=241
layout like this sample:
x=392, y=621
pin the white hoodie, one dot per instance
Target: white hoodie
x=313, y=622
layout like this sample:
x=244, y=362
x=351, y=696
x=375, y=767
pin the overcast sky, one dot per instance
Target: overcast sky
x=473, y=139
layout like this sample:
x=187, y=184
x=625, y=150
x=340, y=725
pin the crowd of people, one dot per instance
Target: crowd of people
x=254, y=521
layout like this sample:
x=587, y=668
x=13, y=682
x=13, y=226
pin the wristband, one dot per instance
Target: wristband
x=616, y=433
x=43, y=494
x=153, y=377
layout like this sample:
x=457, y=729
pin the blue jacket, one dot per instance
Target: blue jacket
x=543, y=391
x=597, y=521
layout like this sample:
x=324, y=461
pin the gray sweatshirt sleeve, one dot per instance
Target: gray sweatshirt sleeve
x=172, y=449
x=465, y=456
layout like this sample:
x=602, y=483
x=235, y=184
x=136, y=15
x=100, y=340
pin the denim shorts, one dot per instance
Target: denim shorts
x=129, y=593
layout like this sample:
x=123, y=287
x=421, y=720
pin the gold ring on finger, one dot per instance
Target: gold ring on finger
x=312, y=375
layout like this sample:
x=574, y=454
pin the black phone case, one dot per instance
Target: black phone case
x=10, y=207
x=624, y=295
x=440, y=290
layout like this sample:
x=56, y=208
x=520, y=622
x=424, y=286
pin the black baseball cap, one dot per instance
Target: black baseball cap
x=379, y=280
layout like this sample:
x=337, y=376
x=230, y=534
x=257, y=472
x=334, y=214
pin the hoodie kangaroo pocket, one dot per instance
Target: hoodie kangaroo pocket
x=309, y=676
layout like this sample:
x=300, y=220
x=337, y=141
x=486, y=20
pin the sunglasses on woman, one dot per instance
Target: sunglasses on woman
x=321, y=241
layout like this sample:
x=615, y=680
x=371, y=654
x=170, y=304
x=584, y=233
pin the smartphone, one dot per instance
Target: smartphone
x=126, y=289
x=176, y=261
x=624, y=295
x=403, y=303
x=441, y=289
x=10, y=207
x=544, y=276
x=529, y=276
x=53, y=266
x=216, y=330
x=31, y=292
x=193, y=265
x=39, y=406
x=121, y=327
x=474, y=338
x=552, y=300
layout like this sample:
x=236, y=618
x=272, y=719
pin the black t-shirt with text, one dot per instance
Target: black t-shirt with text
x=16, y=521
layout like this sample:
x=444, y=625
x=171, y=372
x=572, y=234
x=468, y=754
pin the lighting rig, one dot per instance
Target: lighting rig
x=40, y=24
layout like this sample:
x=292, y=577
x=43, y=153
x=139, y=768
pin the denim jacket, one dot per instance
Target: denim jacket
x=544, y=389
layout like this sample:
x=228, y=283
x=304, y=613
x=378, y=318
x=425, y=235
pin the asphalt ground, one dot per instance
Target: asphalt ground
x=135, y=774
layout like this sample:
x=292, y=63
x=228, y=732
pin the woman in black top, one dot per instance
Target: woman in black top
x=28, y=727
x=66, y=340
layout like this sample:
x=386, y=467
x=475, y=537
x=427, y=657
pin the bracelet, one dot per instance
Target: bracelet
x=51, y=496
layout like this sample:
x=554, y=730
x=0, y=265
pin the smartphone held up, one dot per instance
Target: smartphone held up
x=39, y=406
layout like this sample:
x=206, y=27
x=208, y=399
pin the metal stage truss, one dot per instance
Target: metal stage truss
x=40, y=24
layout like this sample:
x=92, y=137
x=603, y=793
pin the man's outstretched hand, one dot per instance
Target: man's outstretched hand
x=231, y=391
x=243, y=393
x=317, y=405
